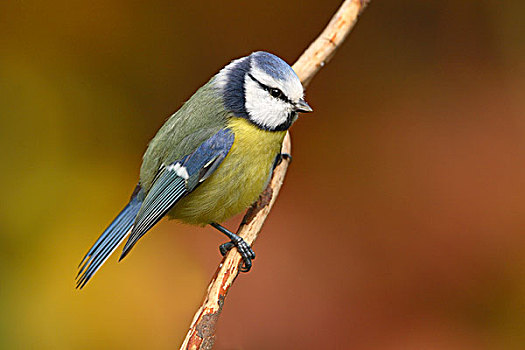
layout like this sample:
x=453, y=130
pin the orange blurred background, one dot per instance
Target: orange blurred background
x=401, y=221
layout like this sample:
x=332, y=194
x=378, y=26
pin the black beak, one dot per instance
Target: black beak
x=302, y=107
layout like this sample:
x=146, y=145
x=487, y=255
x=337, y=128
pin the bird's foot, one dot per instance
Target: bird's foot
x=279, y=158
x=286, y=156
x=243, y=248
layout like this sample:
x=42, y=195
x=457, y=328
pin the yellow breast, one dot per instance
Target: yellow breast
x=238, y=181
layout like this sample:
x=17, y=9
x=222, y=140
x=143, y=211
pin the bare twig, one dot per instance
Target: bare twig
x=202, y=330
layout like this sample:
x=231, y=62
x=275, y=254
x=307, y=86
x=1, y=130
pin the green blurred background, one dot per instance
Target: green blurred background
x=401, y=222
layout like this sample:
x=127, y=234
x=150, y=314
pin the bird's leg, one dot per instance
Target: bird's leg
x=242, y=247
x=279, y=158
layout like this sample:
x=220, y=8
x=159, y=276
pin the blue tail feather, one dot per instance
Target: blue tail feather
x=109, y=240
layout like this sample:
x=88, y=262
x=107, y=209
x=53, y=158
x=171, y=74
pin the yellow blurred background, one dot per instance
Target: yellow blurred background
x=401, y=221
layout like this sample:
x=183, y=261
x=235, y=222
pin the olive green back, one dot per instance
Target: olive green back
x=196, y=121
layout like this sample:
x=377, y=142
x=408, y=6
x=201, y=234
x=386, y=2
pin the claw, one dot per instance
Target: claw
x=246, y=266
x=287, y=156
x=226, y=247
x=279, y=159
x=243, y=248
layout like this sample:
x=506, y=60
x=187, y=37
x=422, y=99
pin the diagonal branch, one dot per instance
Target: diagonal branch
x=202, y=330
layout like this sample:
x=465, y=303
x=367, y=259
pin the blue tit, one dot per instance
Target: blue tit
x=212, y=158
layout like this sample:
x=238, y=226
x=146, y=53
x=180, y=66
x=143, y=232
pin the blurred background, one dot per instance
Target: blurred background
x=401, y=221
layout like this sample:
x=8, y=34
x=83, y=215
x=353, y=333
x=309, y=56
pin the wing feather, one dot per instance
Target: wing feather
x=169, y=189
x=106, y=244
x=176, y=180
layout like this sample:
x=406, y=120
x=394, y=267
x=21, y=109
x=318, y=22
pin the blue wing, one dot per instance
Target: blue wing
x=176, y=180
x=109, y=240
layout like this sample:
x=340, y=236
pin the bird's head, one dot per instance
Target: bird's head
x=264, y=89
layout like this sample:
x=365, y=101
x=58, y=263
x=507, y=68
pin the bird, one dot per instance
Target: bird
x=212, y=158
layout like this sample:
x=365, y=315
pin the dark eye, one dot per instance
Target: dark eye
x=276, y=93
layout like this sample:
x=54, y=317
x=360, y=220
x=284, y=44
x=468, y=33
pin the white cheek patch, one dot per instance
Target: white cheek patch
x=262, y=108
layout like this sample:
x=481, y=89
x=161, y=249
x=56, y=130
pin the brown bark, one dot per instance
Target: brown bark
x=201, y=334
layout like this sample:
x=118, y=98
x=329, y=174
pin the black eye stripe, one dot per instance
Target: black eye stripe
x=272, y=91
